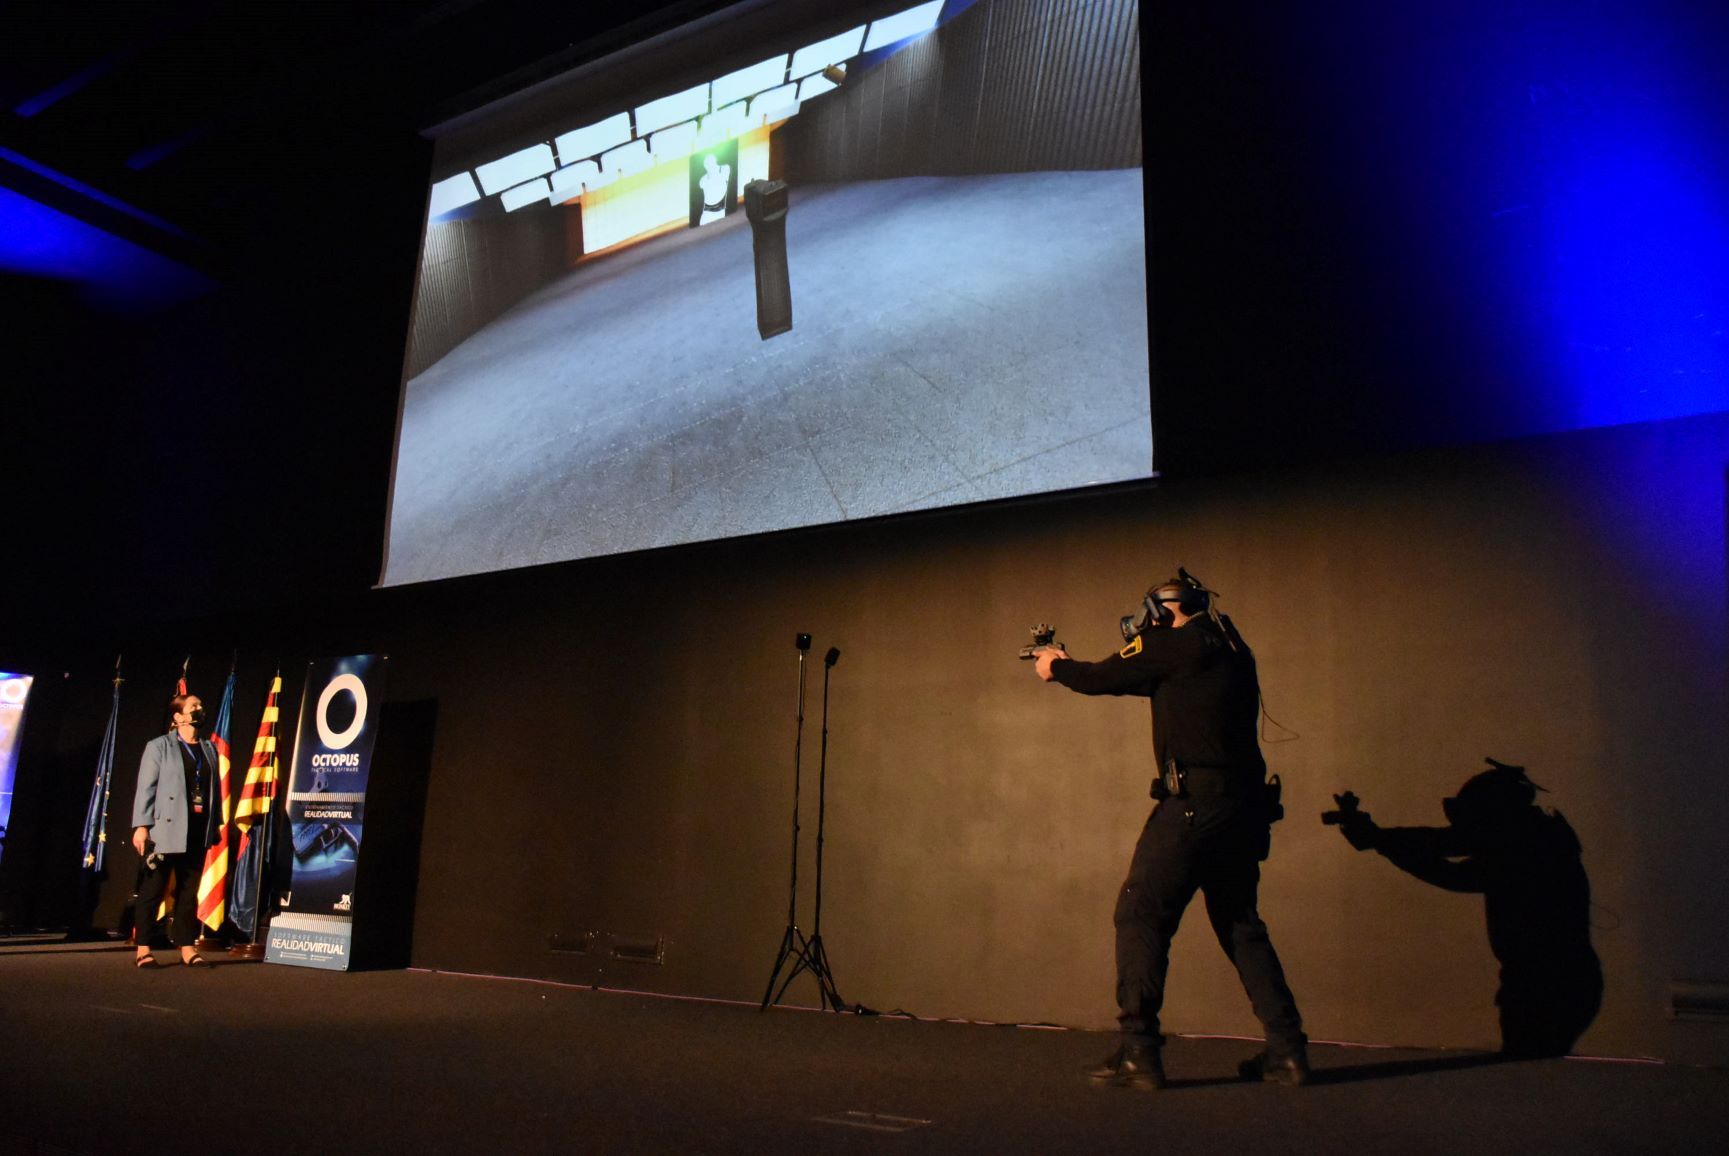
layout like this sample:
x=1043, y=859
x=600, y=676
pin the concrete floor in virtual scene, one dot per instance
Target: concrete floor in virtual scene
x=954, y=339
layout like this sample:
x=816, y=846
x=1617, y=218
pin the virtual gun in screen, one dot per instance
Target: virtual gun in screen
x=765, y=203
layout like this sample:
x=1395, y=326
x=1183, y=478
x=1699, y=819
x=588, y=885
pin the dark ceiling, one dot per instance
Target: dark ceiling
x=191, y=109
x=271, y=146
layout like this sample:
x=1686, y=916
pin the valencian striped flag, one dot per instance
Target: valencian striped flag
x=252, y=815
x=96, y=815
x=213, y=883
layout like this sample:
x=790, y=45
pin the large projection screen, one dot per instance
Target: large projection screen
x=964, y=245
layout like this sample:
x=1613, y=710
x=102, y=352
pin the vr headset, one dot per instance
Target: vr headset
x=1187, y=591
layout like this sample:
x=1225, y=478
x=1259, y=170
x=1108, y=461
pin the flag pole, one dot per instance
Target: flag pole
x=95, y=863
x=213, y=878
x=268, y=850
x=254, y=815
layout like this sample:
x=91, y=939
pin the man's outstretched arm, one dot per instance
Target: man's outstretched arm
x=1113, y=675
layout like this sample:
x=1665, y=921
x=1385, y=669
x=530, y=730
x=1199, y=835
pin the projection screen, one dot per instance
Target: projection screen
x=936, y=297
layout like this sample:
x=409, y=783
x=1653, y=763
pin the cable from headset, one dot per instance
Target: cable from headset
x=1267, y=718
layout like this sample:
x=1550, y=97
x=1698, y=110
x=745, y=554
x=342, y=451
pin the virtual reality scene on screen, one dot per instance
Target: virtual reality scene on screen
x=898, y=266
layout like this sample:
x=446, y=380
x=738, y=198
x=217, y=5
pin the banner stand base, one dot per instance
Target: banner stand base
x=321, y=941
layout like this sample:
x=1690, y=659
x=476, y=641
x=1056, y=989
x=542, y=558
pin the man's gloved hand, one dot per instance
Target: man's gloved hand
x=1356, y=826
x=1360, y=831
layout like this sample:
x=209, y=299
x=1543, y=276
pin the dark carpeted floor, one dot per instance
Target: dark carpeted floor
x=94, y=1056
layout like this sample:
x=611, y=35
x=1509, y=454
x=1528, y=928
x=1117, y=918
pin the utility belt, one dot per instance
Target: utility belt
x=1178, y=781
x=1181, y=781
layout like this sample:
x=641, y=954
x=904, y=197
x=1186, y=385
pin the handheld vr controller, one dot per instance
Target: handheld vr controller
x=1044, y=635
x=1349, y=808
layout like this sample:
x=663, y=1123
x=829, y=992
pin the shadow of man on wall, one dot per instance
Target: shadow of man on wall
x=1525, y=862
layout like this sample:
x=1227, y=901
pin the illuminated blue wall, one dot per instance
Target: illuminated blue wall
x=1556, y=184
x=1631, y=181
x=40, y=242
x=1375, y=226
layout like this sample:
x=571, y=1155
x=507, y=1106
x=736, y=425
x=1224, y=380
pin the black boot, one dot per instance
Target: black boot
x=1131, y=1066
x=1289, y=1068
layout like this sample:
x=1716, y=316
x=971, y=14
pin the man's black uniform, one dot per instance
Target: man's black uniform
x=1210, y=837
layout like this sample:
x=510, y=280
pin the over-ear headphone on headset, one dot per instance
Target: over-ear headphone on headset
x=1187, y=591
x=1502, y=789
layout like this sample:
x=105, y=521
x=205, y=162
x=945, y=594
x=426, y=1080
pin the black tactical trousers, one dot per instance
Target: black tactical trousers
x=1203, y=844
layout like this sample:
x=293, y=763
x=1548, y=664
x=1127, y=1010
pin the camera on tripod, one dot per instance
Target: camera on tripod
x=1044, y=635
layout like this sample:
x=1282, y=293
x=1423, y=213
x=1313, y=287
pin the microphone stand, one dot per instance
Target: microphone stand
x=818, y=963
x=792, y=942
x=807, y=953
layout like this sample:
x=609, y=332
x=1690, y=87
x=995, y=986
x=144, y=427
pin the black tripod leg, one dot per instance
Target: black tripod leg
x=802, y=952
x=786, y=949
x=792, y=942
x=825, y=975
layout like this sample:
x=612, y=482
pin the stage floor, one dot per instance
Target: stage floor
x=96, y=1058
x=954, y=339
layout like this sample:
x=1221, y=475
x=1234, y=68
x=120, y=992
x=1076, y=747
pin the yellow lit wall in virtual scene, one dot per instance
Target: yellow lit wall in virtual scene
x=650, y=201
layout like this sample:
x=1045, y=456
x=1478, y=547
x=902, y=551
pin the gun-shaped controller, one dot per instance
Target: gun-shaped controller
x=1044, y=635
x=1348, y=809
x=1353, y=822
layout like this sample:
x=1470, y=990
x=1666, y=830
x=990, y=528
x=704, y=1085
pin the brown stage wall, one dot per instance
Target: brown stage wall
x=615, y=746
x=614, y=738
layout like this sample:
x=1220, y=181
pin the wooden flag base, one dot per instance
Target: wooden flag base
x=253, y=952
x=208, y=943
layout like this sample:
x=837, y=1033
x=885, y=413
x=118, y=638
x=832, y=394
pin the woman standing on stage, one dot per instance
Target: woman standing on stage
x=175, y=780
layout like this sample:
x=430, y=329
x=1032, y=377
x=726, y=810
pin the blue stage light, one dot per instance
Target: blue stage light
x=37, y=241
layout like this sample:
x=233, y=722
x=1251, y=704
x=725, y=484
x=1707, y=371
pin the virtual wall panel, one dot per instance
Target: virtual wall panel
x=1008, y=86
x=1089, y=115
x=473, y=270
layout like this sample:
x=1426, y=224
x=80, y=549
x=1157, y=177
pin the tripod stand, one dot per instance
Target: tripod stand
x=809, y=953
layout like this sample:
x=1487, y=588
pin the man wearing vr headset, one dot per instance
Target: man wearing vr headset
x=1208, y=830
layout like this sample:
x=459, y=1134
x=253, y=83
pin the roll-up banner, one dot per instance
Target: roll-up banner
x=14, y=690
x=326, y=809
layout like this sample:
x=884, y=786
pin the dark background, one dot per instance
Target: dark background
x=1375, y=387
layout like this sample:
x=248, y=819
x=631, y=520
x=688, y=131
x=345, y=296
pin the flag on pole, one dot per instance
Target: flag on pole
x=252, y=808
x=96, y=815
x=213, y=883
